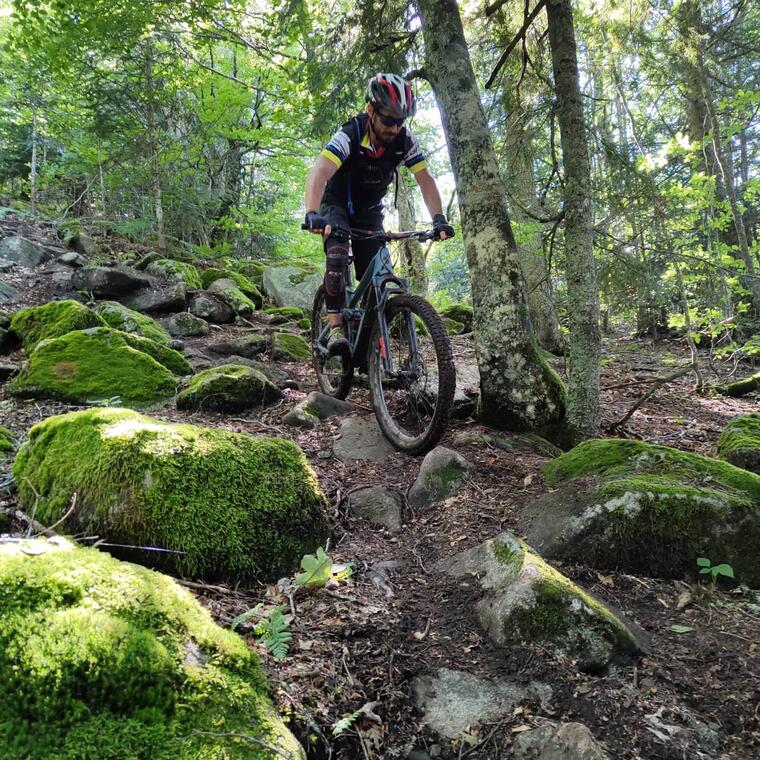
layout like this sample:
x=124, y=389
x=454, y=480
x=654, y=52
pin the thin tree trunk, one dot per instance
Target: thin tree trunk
x=158, y=206
x=413, y=255
x=583, y=306
x=518, y=389
x=33, y=171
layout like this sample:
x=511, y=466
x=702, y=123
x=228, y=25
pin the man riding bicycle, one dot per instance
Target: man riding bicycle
x=349, y=180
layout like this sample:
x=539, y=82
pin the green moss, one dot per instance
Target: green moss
x=459, y=312
x=291, y=312
x=228, y=388
x=238, y=507
x=304, y=324
x=253, y=270
x=52, y=320
x=97, y=364
x=287, y=347
x=616, y=458
x=739, y=388
x=122, y=318
x=106, y=659
x=235, y=298
x=176, y=271
x=452, y=326
x=7, y=440
x=246, y=287
x=739, y=442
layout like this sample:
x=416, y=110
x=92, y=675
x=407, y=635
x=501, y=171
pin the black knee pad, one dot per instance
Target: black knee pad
x=335, y=271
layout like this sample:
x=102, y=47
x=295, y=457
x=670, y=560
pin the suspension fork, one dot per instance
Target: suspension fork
x=382, y=294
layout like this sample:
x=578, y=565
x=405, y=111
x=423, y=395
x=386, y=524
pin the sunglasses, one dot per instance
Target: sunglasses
x=390, y=121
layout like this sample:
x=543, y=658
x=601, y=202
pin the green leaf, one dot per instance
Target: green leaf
x=705, y=570
x=240, y=619
x=724, y=569
x=317, y=569
x=273, y=634
x=703, y=562
x=681, y=628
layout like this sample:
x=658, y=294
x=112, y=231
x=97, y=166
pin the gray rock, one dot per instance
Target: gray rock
x=529, y=442
x=291, y=286
x=184, y=325
x=25, y=253
x=378, y=505
x=6, y=265
x=7, y=370
x=228, y=388
x=526, y=600
x=231, y=294
x=563, y=741
x=452, y=701
x=247, y=345
x=161, y=299
x=110, y=282
x=210, y=307
x=442, y=473
x=149, y=258
x=73, y=259
x=8, y=340
x=177, y=345
x=83, y=243
x=361, y=439
x=274, y=373
x=300, y=417
x=8, y=293
x=324, y=406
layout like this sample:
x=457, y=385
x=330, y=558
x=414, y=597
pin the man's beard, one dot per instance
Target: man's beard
x=384, y=140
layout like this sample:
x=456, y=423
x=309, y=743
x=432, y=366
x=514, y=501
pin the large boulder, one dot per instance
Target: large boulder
x=110, y=282
x=81, y=243
x=102, y=658
x=121, y=317
x=460, y=313
x=211, y=307
x=25, y=253
x=175, y=271
x=228, y=388
x=231, y=294
x=292, y=286
x=288, y=347
x=526, y=600
x=648, y=510
x=100, y=363
x=739, y=442
x=184, y=325
x=209, y=276
x=8, y=294
x=51, y=320
x=225, y=505
x=167, y=298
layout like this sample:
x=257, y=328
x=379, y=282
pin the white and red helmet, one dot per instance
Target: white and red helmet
x=393, y=93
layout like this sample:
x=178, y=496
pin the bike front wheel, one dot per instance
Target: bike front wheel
x=335, y=374
x=413, y=399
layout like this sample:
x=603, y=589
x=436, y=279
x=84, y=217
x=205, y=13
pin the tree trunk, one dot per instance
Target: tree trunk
x=155, y=172
x=33, y=170
x=521, y=181
x=583, y=306
x=518, y=390
x=411, y=250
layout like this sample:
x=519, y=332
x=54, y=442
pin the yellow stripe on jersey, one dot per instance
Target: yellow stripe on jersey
x=418, y=167
x=329, y=154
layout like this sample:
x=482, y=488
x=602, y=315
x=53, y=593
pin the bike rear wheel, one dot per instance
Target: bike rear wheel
x=334, y=373
x=413, y=401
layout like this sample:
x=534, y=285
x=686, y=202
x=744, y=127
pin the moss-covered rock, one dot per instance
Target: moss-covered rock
x=442, y=473
x=52, y=320
x=209, y=276
x=228, y=388
x=289, y=312
x=304, y=324
x=287, y=347
x=232, y=506
x=7, y=441
x=253, y=270
x=123, y=318
x=459, y=312
x=527, y=600
x=452, y=326
x=231, y=294
x=96, y=364
x=175, y=271
x=102, y=658
x=647, y=509
x=742, y=387
x=739, y=442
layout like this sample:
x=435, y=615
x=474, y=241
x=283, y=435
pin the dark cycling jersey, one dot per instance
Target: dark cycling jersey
x=364, y=173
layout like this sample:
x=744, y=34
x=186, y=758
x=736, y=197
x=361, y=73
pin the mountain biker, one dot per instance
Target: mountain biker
x=349, y=180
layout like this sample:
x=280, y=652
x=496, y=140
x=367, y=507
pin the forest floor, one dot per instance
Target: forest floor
x=695, y=694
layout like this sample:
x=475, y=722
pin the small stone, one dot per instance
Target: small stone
x=378, y=505
x=442, y=473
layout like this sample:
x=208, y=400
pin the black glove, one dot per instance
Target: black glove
x=314, y=221
x=441, y=225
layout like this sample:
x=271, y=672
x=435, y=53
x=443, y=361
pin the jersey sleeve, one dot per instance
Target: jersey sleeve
x=338, y=149
x=413, y=158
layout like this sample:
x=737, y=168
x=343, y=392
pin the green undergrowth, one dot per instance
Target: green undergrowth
x=103, y=658
x=237, y=507
x=51, y=320
x=7, y=441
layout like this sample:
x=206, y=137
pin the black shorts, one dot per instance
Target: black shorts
x=370, y=219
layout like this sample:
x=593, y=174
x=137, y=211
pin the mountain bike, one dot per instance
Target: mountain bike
x=398, y=340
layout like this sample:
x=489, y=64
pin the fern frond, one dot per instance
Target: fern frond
x=346, y=722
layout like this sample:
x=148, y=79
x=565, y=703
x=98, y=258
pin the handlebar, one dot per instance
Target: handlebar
x=387, y=237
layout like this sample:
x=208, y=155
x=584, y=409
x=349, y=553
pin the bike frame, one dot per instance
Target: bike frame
x=381, y=282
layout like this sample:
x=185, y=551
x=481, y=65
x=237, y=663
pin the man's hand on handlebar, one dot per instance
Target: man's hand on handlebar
x=442, y=230
x=317, y=224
